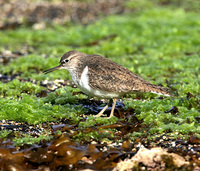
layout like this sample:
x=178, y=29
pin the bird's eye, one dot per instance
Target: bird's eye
x=66, y=60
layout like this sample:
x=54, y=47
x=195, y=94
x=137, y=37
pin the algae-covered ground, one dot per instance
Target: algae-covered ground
x=157, y=41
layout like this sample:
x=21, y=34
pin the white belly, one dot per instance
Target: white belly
x=85, y=87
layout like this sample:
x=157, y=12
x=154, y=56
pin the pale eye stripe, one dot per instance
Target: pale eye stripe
x=71, y=56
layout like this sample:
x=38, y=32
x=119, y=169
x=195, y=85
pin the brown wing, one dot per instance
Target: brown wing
x=111, y=77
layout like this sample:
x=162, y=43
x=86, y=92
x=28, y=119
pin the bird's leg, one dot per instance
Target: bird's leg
x=103, y=110
x=113, y=108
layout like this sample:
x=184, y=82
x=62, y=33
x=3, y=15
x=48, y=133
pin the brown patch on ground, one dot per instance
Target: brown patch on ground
x=17, y=12
x=61, y=152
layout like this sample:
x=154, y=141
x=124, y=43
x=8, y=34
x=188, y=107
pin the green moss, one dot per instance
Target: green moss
x=4, y=133
x=34, y=110
x=21, y=104
x=92, y=120
x=16, y=88
x=32, y=66
x=22, y=139
x=91, y=129
x=94, y=134
x=62, y=96
x=152, y=113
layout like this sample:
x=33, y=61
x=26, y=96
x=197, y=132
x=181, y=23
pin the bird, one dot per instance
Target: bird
x=97, y=76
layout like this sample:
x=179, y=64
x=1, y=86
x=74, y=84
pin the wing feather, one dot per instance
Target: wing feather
x=111, y=77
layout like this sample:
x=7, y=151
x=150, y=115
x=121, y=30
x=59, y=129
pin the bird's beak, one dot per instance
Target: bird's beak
x=52, y=69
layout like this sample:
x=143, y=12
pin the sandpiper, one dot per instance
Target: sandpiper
x=100, y=77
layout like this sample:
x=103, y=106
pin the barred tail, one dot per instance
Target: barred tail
x=148, y=87
x=161, y=91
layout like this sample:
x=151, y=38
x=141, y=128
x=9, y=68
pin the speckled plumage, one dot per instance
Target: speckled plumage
x=104, y=78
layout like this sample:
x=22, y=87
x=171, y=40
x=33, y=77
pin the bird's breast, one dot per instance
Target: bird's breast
x=85, y=87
